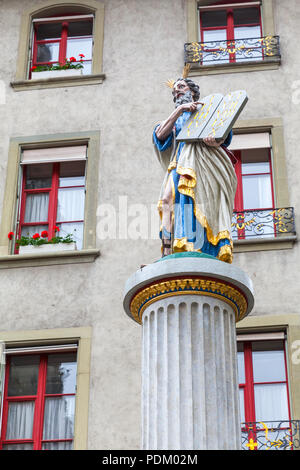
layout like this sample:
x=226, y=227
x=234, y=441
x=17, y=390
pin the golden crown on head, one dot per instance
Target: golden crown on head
x=185, y=72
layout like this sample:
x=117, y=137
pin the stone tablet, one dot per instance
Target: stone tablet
x=214, y=118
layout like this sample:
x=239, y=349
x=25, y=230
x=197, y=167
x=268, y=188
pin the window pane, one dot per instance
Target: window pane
x=48, y=31
x=80, y=46
x=258, y=167
x=87, y=67
x=23, y=375
x=36, y=209
x=75, y=229
x=80, y=28
x=57, y=445
x=246, y=15
x=271, y=402
x=241, y=367
x=242, y=405
x=70, y=204
x=28, y=230
x=61, y=373
x=214, y=35
x=257, y=193
x=72, y=174
x=248, y=32
x=20, y=420
x=17, y=447
x=268, y=366
x=59, y=418
x=48, y=52
x=38, y=176
x=214, y=18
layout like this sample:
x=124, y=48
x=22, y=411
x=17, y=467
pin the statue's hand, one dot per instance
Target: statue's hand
x=191, y=107
x=211, y=141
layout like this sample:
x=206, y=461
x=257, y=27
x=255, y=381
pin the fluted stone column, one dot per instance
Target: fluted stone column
x=188, y=305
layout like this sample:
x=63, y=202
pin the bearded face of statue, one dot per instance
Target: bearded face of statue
x=182, y=93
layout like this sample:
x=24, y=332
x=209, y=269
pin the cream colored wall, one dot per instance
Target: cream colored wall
x=143, y=47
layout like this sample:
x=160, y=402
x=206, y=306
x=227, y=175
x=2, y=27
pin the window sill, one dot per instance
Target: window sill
x=265, y=244
x=48, y=258
x=55, y=82
x=234, y=68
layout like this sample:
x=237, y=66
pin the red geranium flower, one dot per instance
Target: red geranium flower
x=72, y=59
x=44, y=234
x=33, y=68
x=36, y=236
x=10, y=235
x=81, y=55
x=56, y=228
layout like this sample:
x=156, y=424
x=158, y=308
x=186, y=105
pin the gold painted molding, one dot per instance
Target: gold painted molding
x=196, y=286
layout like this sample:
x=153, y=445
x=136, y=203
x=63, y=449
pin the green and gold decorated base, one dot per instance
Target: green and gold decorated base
x=188, y=273
x=187, y=254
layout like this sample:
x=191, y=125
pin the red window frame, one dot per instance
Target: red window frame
x=62, y=42
x=52, y=205
x=229, y=28
x=39, y=399
x=239, y=199
x=248, y=387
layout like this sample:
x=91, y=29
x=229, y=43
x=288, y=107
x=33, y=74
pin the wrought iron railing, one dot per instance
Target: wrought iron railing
x=263, y=223
x=271, y=435
x=233, y=51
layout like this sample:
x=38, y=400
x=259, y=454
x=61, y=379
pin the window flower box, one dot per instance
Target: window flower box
x=40, y=243
x=55, y=73
x=47, y=248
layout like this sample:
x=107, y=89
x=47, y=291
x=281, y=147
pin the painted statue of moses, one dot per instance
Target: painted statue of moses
x=197, y=194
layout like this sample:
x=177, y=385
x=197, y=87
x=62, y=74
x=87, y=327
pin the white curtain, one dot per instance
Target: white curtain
x=28, y=231
x=75, y=229
x=70, y=204
x=17, y=447
x=59, y=418
x=271, y=402
x=36, y=207
x=20, y=420
x=68, y=445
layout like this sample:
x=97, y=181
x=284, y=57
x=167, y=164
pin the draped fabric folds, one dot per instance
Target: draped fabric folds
x=203, y=187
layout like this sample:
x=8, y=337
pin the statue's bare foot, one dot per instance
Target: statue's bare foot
x=167, y=250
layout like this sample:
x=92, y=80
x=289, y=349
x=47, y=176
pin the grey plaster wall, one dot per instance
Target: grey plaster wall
x=143, y=47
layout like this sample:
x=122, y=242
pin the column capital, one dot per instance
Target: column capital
x=188, y=273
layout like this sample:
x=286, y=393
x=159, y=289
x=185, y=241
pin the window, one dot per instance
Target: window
x=62, y=173
x=254, y=200
x=39, y=401
x=231, y=36
x=57, y=31
x=53, y=192
x=55, y=40
x=263, y=389
x=231, y=33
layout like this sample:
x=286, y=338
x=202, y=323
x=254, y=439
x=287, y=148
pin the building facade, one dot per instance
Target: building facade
x=81, y=89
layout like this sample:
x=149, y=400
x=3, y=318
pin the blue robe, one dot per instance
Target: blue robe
x=188, y=232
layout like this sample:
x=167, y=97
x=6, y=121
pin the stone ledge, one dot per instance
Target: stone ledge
x=48, y=259
x=55, y=82
x=233, y=68
x=264, y=244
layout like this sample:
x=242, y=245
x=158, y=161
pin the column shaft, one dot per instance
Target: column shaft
x=189, y=375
